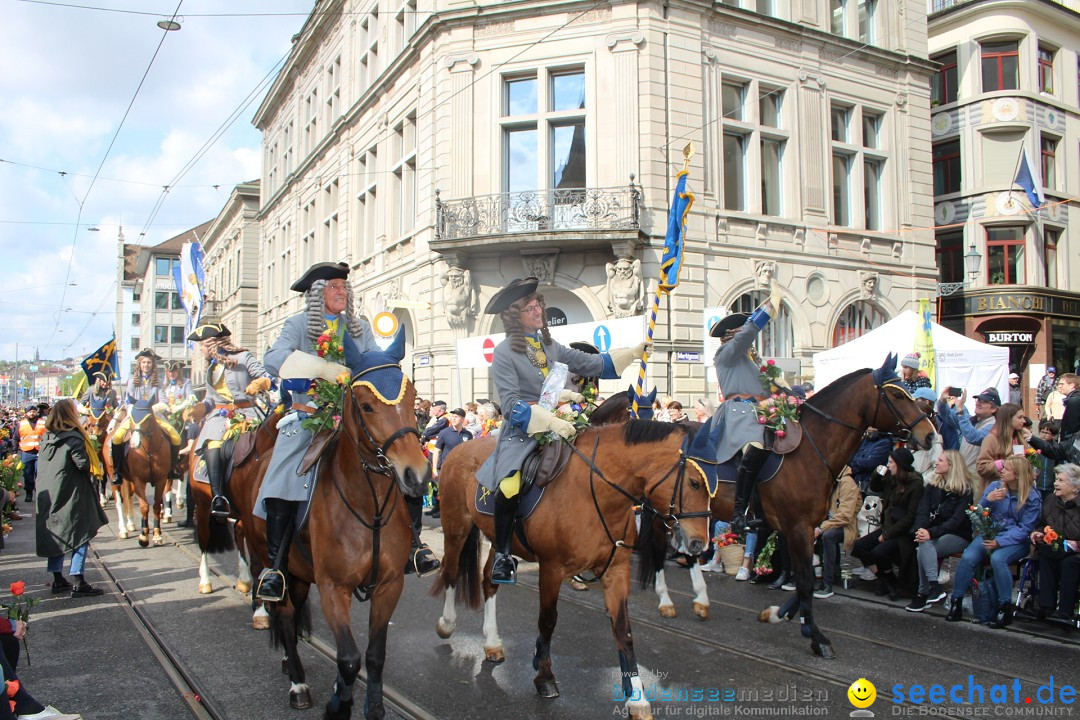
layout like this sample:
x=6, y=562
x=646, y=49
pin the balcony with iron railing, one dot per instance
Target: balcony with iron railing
x=546, y=214
x=936, y=6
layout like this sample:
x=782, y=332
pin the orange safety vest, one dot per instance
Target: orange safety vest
x=30, y=437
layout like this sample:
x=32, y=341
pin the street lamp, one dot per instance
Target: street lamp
x=972, y=263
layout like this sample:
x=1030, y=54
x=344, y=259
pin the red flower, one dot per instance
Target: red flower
x=771, y=362
x=18, y=588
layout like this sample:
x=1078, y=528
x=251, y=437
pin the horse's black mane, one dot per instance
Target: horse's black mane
x=607, y=410
x=649, y=431
x=834, y=388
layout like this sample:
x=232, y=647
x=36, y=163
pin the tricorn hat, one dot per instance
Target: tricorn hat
x=516, y=290
x=209, y=330
x=731, y=322
x=173, y=365
x=320, y=271
x=147, y=352
x=103, y=375
x=585, y=347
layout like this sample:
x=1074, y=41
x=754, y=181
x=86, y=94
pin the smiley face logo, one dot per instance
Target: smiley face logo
x=862, y=693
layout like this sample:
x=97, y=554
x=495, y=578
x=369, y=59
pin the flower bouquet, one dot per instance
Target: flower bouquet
x=764, y=566
x=729, y=545
x=1051, y=538
x=239, y=423
x=11, y=475
x=1035, y=459
x=329, y=347
x=770, y=373
x=776, y=411
x=329, y=398
x=982, y=522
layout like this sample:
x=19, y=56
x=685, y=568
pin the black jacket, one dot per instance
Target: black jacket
x=943, y=513
x=898, y=503
x=1067, y=450
x=1070, y=420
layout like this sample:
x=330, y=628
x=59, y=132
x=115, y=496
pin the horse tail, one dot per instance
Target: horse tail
x=651, y=548
x=220, y=538
x=301, y=619
x=467, y=589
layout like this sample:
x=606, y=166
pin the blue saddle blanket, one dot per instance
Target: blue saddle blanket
x=728, y=471
x=485, y=501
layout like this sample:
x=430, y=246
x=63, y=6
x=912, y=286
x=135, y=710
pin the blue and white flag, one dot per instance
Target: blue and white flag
x=1027, y=179
x=189, y=279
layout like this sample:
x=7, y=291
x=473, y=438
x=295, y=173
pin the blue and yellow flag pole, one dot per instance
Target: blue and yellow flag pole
x=670, y=264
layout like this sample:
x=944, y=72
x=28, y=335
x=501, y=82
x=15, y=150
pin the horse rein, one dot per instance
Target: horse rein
x=903, y=434
x=671, y=519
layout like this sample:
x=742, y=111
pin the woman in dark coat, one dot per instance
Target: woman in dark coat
x=900, y=489
x=68, y=513
x=1059, y=562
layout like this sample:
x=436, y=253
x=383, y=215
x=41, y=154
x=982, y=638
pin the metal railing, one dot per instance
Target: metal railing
x=616, y=208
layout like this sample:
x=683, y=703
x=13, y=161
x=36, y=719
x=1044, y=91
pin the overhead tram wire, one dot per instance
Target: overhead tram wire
x=217, y=134
x=299, y=13
x=105, y=157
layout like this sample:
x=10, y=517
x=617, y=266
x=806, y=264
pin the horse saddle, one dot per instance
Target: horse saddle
x=321, y=443
x=790, y=441
x=544, y=464
x=727, y=471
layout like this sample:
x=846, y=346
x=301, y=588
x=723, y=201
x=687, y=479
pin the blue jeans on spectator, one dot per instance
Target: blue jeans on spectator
x=29, y=461
x=78, y=560
x=831, y=540
x=1000, y=560
x=928, y=554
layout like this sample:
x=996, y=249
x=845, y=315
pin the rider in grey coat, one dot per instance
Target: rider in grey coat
x=233, y=375
x=329, y=310
x=739, y=375
x=519, y=367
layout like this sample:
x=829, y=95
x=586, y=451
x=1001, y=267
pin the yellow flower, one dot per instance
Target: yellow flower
x=344, y=377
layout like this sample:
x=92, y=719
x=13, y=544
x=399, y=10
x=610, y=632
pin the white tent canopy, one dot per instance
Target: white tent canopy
x=961, y=361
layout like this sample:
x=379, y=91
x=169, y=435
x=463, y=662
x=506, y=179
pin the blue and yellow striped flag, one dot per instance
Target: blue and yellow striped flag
x=671, y=262
x=924, y=342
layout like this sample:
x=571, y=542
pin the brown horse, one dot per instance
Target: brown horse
x=584, y=523
x=146, y=465
x=96, y=424
x=357, y=537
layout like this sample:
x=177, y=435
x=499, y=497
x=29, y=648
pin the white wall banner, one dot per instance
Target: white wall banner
x=476, y=352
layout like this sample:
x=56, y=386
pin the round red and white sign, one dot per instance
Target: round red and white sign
x=489, y=349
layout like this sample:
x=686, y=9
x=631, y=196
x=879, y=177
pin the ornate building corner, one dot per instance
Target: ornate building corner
x=540, y=265
x=764, y=272
x=623, y=42
x=470, y=61
x=460, y=298
x=868, y=285
x=625, y=289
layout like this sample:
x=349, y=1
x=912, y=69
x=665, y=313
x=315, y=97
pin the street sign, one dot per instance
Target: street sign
x=489, y=349
x=602, y=338
x=423, y=361
x=687, y=356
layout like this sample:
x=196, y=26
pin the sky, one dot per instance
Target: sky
x=68, y=75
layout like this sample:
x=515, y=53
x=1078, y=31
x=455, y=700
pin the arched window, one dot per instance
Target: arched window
x=857, y=319
x=777, y=339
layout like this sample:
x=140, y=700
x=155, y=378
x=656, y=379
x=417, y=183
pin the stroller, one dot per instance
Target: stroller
x=1027, y=592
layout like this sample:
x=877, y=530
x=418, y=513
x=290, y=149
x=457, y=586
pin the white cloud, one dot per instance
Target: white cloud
x=78, y=73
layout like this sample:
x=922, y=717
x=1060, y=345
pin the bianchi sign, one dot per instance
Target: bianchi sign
x=1010, y=338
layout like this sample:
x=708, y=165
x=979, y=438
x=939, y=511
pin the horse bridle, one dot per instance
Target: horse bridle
x=903, y=434
x=384, y=509
x=671, y=519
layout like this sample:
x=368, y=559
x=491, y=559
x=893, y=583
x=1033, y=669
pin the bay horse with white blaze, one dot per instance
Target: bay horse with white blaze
x=358, y=534
x=585, y=522
x=147, y=464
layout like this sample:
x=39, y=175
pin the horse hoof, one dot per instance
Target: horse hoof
x=770, y=614
x=546, y=688
x=180, y=503
x=122, y=535
x=579, y=586
x=243, y=587
x=260, y=622
x=131, y=527
x=300, y=699
x=701, y=610
x=495, y=655
x=825, y=652
x=667, y=611
x=205, y=588
x=639, y=711
x=343, y=712
x=444, y=629
x=166, y=518
x=158, y=541
x=144, y=541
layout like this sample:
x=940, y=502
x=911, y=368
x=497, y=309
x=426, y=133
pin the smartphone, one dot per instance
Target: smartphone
x=956, y=392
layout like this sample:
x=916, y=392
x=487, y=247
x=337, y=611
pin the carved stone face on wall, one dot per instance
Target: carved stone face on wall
x=763, y=271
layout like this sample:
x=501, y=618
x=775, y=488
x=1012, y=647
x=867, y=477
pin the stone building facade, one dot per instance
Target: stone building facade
x=444, y=148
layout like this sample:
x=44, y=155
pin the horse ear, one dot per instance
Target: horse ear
x=887, y=371
x=396, y=348
x=354, y=356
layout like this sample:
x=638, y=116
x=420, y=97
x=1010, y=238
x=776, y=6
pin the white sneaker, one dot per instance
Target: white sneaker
x=51, y=713
x=742, y=575
x=864, y=573
x=713, y=567
x=943, y=577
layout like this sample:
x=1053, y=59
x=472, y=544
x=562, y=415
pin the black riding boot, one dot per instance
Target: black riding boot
x=215, y=472
x=421, y=561
x=504, y=569
x=752, y=460
x=174, y=461
x=117, y=461
x=280, y=523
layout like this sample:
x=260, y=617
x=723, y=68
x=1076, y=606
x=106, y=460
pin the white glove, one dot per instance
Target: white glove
x=160, y=408
x=305, y=365
x=775, y=296
x=541, y=420
x=569, y=396
x=622, y=358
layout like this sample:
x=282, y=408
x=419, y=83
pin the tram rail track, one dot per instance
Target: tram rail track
x=198, y=700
